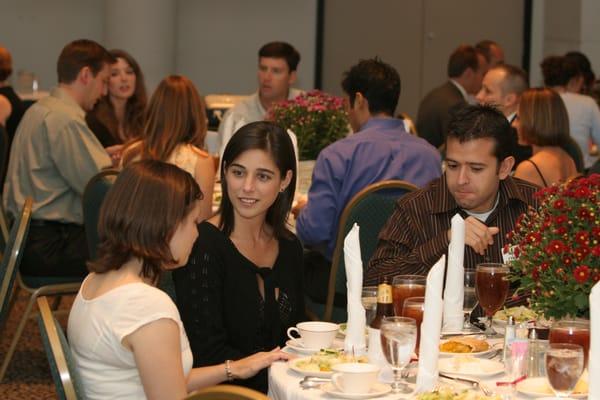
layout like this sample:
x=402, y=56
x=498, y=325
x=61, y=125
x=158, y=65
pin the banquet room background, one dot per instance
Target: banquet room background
x=214, y=42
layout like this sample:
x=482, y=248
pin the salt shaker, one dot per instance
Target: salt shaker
x=533, y=363
x=510, y=333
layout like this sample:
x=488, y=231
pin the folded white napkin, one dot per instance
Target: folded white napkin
x=431, y=328
x=594, y=356
x=355, y=330
x=455, y=279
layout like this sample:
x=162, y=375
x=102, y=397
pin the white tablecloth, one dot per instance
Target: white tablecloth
x=284, y=385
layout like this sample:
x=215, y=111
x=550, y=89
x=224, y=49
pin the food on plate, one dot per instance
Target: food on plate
x=520, y=314
x=323, y=360
x=464, y=345
x=447, y=394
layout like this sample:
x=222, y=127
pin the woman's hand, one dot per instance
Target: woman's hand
x=249, y=366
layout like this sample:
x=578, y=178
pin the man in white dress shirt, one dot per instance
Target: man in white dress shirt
x=277, y=64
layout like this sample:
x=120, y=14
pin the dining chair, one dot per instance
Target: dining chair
x=4, y=227
x=4, y=152
x=62, y=364
x=226, y=392
x=11, y=259
x=93, y=196
x=370, y=209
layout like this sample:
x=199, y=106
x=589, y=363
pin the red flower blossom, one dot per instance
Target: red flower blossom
x=544, y=266
x=516, y=252
x=582, y=237
x=561, y=219
x=596, y=251
x=584, y=213
x=581, y=253
x=567, y=261
x=535, y=274
x=581, y=273
x=534, y=237
x=559, y=204
x=556, y=246
x=582, y=192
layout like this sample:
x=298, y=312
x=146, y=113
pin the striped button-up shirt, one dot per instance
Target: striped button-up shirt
x=416, y=235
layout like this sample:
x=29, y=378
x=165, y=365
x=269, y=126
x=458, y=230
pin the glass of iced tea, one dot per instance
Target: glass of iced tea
x=405, y=286
x=564, y=366
x=572, y=331
x=491, y=287
x=414, y=308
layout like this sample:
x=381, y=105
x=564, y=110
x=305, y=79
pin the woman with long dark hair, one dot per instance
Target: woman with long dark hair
x=242, y=286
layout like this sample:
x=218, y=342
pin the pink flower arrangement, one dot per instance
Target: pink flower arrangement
x=557, y=248
x=316, y=118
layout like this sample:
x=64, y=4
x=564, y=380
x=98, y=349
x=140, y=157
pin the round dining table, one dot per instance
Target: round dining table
x=284, y=384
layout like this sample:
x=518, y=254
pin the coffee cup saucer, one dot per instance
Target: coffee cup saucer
x=378, y=389
x=297, y=345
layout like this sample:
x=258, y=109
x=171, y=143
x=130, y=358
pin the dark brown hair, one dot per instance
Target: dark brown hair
x=140, y=214
x=463, y=57
x=5, y=64
x=79, y=54
x=281, y=50
x=543, y=118
x=134, y=108
x=176, y=114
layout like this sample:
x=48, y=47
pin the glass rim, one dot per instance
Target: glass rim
x=576, y=323
x=492, y=266
x=410, y=276
x=569, y=346
x=399, y=319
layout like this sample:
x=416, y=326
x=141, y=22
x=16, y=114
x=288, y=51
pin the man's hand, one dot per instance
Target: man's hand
x=478, y=235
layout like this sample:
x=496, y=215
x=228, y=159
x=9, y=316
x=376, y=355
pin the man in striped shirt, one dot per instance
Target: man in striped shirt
x=476, y=184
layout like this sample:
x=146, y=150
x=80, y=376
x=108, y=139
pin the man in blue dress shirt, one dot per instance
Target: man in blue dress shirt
x=380, y=149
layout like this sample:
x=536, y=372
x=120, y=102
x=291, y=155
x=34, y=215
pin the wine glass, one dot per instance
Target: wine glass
x=414, y=307
x=564, y=366
x=469, y=301
x=491, y=287
x=398, y=337
x=572, y=331
x=405, y=286
x=369, y=302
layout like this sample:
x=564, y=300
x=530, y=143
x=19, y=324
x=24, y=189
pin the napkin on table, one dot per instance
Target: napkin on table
x=594, y=356
x=355, y=330
x=455, y=279
x=431, y=327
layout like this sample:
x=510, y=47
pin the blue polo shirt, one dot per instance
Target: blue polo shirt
x=381, y=150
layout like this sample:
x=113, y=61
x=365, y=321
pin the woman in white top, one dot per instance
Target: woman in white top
x=126, y=335
x=174, y=132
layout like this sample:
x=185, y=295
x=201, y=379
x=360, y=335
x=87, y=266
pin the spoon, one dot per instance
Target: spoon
x=312, y=382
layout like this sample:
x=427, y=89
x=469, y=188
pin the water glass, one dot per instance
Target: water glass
x=469, y=301
x=564, y=366
x=405, y=286
x=491, y=287
x=369, y=302
x=398, y=338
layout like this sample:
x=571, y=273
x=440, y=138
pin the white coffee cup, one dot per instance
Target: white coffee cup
x=354, y=377
x=314, y=334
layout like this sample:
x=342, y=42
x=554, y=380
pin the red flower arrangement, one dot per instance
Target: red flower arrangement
x=557, y=248
x=317, y=118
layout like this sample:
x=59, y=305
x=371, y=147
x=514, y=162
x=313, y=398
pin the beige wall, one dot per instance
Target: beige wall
x=416, y=37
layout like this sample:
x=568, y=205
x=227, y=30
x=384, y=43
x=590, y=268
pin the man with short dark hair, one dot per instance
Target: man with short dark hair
x=502, y=87
x=380, y=149
x=493, y=53
x=476, y=184
x=53, y=156
x=466, y=68
x=277, y=64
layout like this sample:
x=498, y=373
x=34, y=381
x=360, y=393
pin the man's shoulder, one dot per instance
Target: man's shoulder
x=443, y=94
x=525, y=190
x=426, y=194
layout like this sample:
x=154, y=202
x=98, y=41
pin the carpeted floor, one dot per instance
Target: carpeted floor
x=28, y=375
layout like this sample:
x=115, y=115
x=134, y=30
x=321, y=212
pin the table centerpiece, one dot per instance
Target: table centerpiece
x=317, y=118
x=557, y=248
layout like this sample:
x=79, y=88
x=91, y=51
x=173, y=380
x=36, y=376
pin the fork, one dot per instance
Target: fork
x=475, y=384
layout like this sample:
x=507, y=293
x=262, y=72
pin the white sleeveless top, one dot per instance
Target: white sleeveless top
x=97, y=327
x=185, y=156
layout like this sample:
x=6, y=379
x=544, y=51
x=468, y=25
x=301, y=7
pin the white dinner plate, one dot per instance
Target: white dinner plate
x=378, y=389
x=476, y=354
x=292, y=364
x=539, y=387
x=470, y=366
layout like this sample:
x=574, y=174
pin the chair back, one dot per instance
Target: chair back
x=226, y=392
x=93, y=196
x=12, y=258
x=370, y=209
x=4, y=152
x=4, y=224
x=62, y=364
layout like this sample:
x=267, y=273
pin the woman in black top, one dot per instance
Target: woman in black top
x=242, y=286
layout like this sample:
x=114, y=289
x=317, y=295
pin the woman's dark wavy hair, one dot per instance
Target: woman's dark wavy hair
x=140, y=215
x=276, y=142
x=134, y=109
